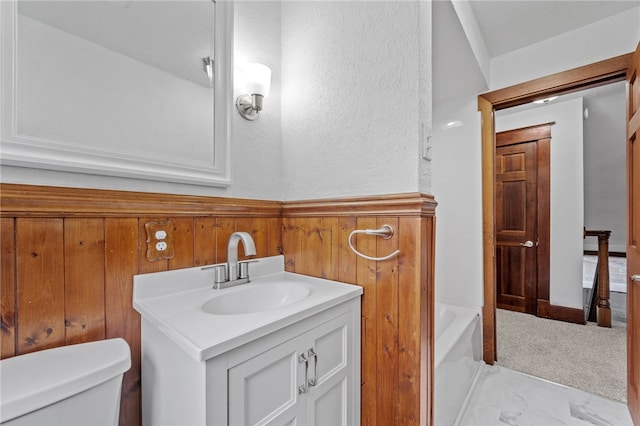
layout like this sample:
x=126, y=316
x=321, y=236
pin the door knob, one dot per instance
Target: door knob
x=635, y=277
x=528, y=243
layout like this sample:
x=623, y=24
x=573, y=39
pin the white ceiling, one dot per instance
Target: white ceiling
x=508, y=25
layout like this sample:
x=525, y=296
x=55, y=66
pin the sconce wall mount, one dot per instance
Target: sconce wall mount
x=249, y=106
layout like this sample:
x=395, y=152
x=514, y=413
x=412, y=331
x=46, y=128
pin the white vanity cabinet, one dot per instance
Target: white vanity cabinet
x=273, y=380
x=307, y=380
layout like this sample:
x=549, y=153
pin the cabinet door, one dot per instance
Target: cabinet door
x=330, y=401
x=264, y=390
x=269, y=389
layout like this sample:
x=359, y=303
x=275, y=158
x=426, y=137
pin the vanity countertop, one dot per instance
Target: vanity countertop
x=172, y=301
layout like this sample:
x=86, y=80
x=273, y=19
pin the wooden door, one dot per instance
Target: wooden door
x=522, y=218
x=516, y=227
x=633, y=238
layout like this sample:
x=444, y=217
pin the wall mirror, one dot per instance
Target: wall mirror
x=138, y=89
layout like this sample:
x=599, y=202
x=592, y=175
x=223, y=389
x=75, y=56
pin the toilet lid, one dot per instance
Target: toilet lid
x=32, y=381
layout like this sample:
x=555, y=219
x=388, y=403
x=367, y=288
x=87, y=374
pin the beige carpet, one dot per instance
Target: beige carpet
x=586, y=357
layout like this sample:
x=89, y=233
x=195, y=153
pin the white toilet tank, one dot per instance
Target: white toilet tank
x=70, y=385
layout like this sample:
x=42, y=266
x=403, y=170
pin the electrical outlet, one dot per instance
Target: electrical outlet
x=159, y=240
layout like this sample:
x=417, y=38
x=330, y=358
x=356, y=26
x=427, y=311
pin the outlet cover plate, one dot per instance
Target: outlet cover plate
x=155, y=230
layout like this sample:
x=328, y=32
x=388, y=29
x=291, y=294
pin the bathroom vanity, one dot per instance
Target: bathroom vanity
x=281, y=349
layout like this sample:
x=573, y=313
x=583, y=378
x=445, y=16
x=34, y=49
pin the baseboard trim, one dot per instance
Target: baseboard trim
x=560, y=313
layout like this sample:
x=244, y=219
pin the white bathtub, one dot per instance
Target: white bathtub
x=458, y=360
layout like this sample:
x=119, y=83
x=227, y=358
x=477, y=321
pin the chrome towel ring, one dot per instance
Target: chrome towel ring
x=386, y=231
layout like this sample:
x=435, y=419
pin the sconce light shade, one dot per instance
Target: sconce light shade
x=258, y=84
x=258, y=79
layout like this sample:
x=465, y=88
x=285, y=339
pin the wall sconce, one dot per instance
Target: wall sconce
x=258, y=82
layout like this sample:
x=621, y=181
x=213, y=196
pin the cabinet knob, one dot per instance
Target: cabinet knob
x=635, y=277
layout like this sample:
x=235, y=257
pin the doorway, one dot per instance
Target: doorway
x=579, y=154
x=593, y=75
x=604, y=72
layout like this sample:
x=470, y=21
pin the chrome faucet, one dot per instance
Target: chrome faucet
x=232, y=254
x=234, y=272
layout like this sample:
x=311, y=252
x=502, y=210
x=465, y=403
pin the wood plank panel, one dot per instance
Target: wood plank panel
x=312, y=248
x=387, y=325
x=84, y=292
x=243, y=224
x=204, y=241
x=347, y=258
x=291, y=244
x=183, y=243
x=260, y=234
x=366, y=277
x=225, y=226
x=121, y=264
x=7, y=288
x=409, y=308
x=330, y=247
x=275, y=236
x=40, y=284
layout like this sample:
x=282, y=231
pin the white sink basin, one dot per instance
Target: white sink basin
x=257, y=297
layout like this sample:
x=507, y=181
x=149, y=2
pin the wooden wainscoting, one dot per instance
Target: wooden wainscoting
x=397, y=318
x=69, y=256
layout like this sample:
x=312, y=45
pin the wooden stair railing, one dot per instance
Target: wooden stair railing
x=599, y=307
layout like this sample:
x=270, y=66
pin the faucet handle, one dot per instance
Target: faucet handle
x=219, y=274
x=243, y=268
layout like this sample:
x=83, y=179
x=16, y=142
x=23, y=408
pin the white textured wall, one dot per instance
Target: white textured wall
x=457, y=186
x=567, y=193
x=255, y=146
x=256, y=156
x=457, y=165
x=352, y=97
x=605, y=160
x=616, y=35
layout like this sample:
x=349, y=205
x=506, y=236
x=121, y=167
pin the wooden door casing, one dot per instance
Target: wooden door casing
x=633, y=236
x=522, y=192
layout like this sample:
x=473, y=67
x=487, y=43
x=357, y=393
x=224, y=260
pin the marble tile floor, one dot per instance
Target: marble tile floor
x=507, y=397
